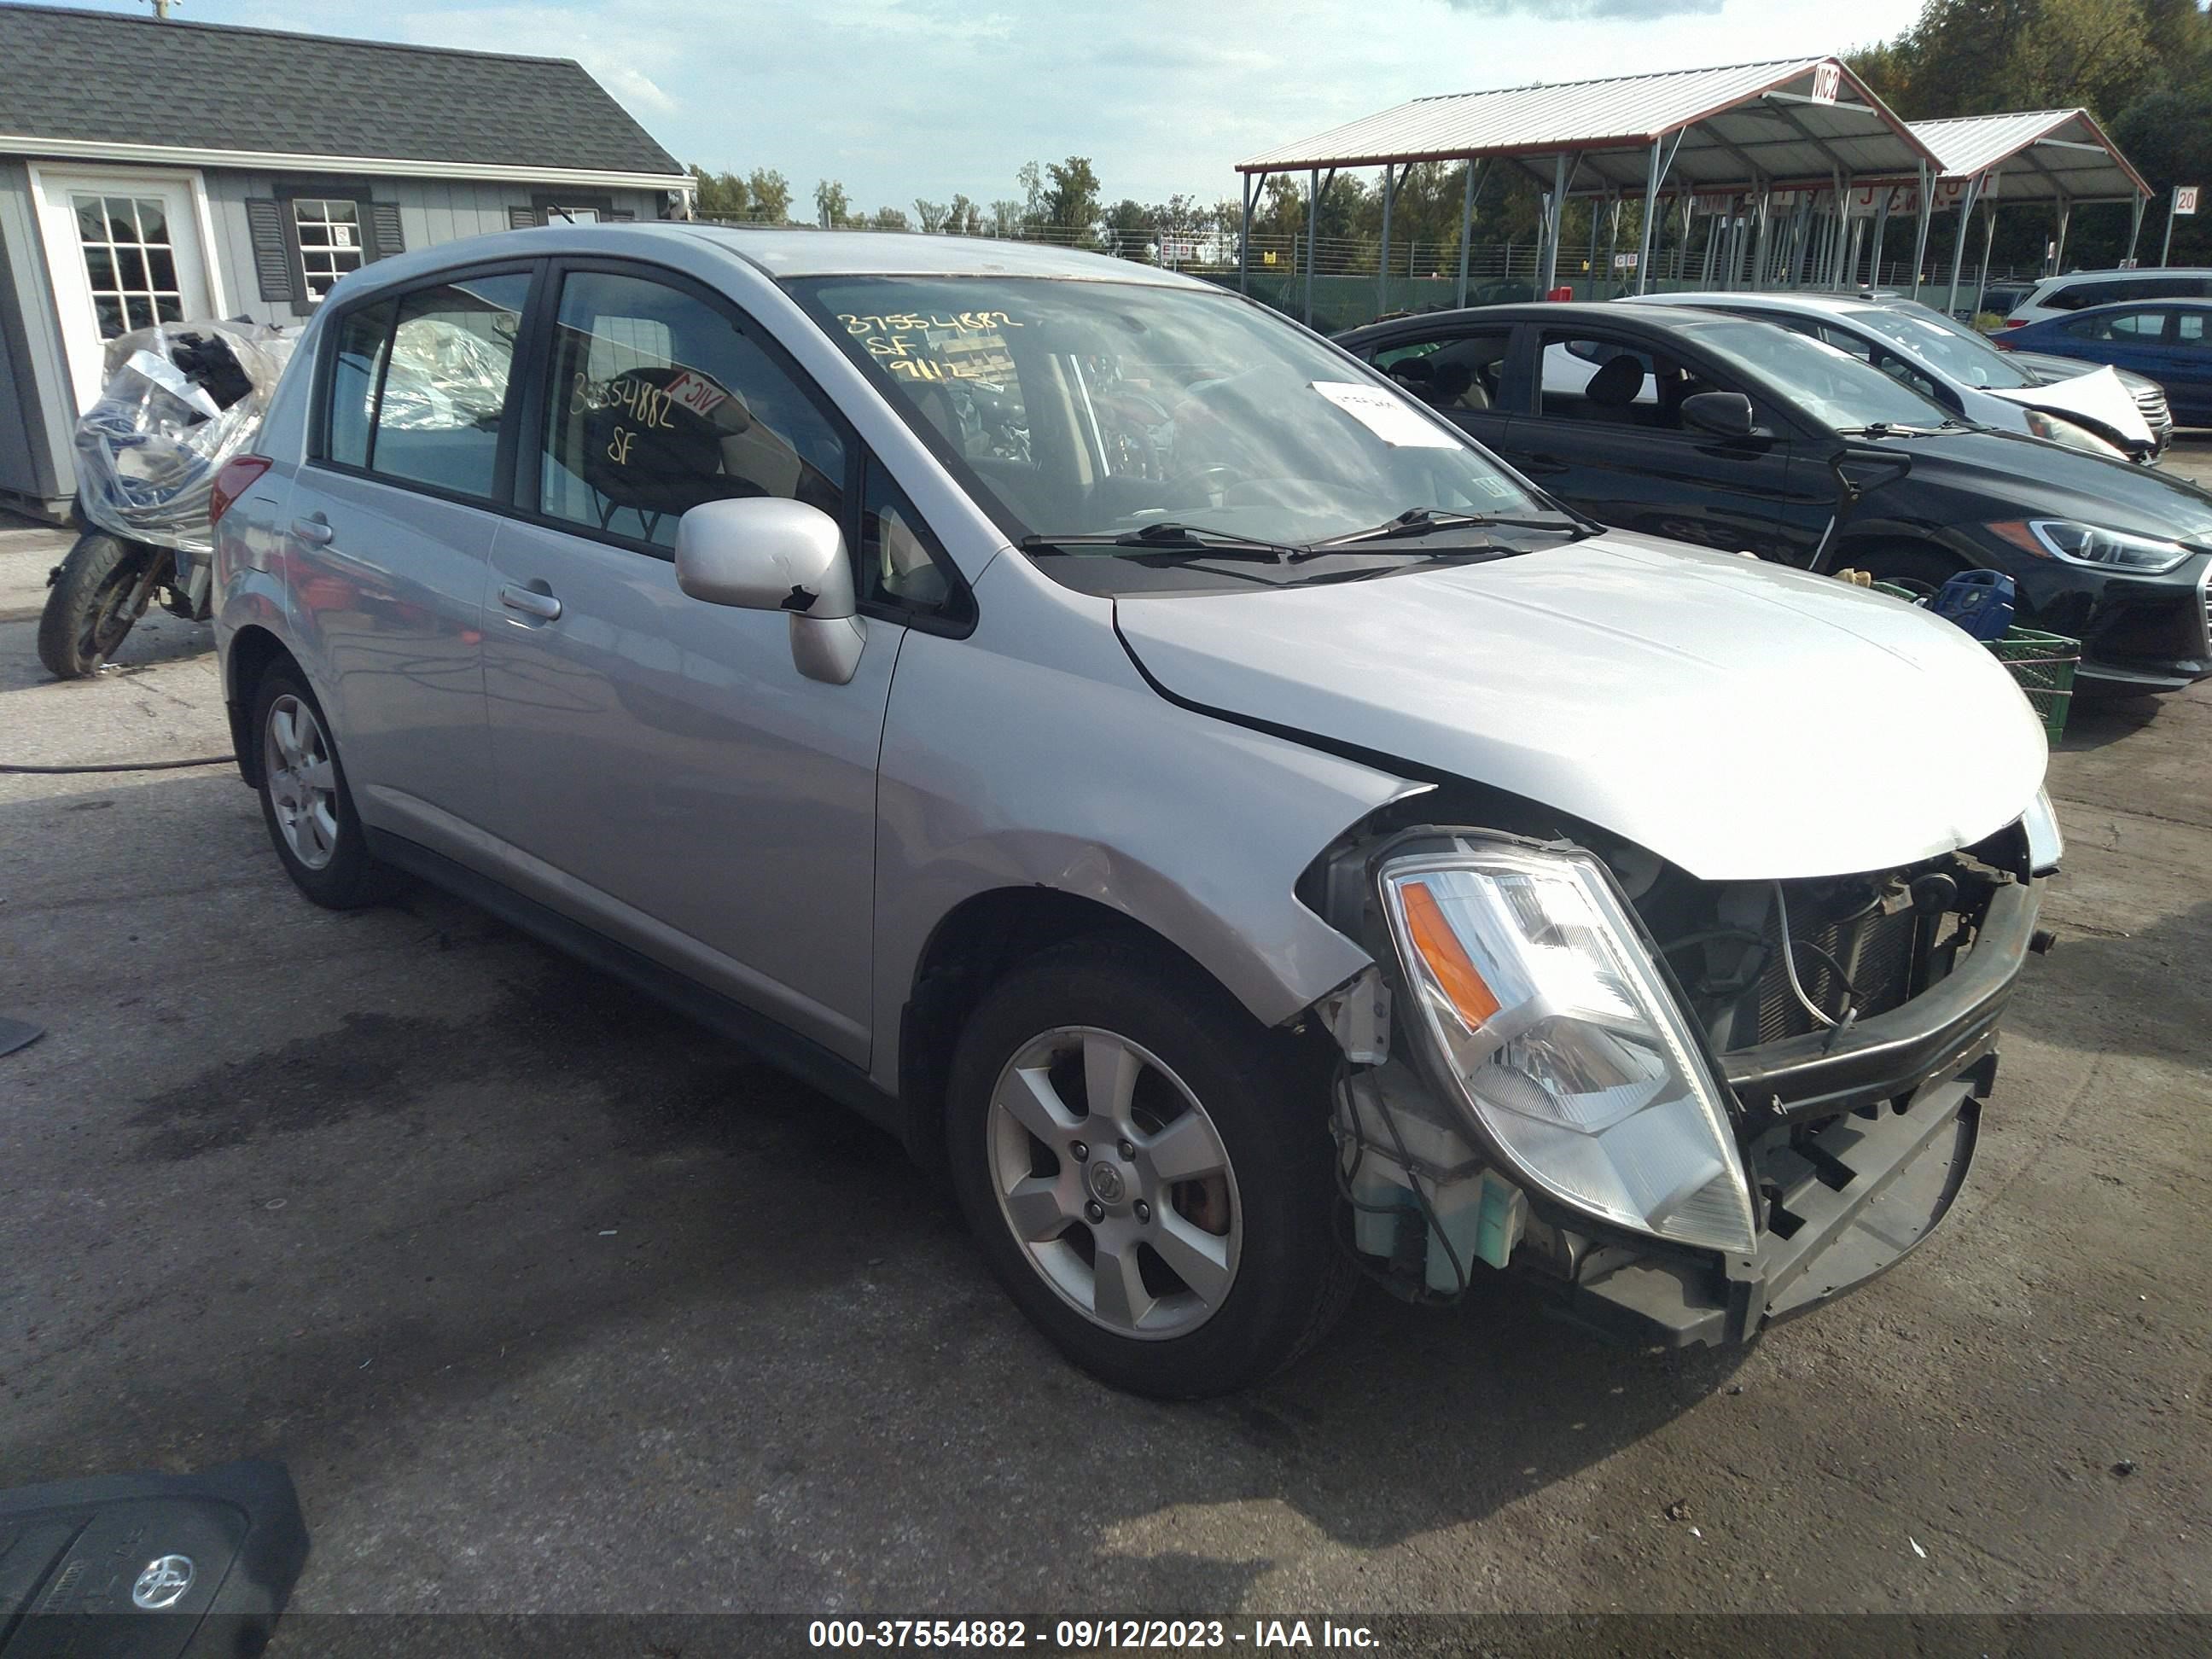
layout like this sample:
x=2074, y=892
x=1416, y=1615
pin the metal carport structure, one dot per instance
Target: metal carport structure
x=1800, y=125
x=2060, y=158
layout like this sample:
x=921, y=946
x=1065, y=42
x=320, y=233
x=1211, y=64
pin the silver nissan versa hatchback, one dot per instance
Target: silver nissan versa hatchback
x=1243, y=834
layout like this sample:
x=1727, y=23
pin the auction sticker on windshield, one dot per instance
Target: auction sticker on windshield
x=1392, y=419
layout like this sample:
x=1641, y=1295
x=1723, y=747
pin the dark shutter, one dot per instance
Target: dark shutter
x=522, y=218
x=386, y=237
x=273, y=255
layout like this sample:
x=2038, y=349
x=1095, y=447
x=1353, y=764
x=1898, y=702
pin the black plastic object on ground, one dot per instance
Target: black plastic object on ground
x=150, y=1566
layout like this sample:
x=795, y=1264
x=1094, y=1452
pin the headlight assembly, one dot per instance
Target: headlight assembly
x=2084, y=544
x=1547, y=1014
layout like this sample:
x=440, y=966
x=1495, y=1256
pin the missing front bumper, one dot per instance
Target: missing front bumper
x=1845, y=1206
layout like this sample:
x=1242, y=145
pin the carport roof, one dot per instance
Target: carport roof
x=1794, y=120
x=2043, y=155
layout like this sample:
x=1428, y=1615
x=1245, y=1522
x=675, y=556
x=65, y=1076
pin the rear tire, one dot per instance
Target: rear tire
x=91, y=609
x=1172, y=1236
x=305, y=801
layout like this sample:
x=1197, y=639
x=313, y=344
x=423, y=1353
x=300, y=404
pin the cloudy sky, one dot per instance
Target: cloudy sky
x=906, y=98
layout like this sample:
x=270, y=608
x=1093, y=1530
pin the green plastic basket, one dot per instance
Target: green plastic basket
x=2043, y=666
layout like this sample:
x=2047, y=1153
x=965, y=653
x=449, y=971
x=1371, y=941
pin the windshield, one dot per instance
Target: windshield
x=1957, y=351
x=1833, y=386
x=1105, y=408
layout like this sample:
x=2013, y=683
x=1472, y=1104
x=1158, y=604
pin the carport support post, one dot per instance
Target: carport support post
x=1466, y=229
x=1920, y=238
x=1650, y=206
x=1966, y=206
x=2134, y=226
x=1244, y=242
x=1382, y=263
x=2058, y=243
x=1555, y=223
x=1989, y=241
x=1590, y=292
x=1881, y=224
x=1313, y=235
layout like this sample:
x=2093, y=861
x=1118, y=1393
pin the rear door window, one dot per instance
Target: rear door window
x=1458, y=373
x=2130, y=327
x=418, y=386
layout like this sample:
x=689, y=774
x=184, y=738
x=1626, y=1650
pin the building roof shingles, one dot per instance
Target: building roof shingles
x=108, y=78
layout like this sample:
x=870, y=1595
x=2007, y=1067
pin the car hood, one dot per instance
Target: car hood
x=2098, y=398
x=1988, y=476
x=1741, y=720
x=2047, y=367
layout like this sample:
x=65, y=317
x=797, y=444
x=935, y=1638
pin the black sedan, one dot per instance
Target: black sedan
x=1743, y=436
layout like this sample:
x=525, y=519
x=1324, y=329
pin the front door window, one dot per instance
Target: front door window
x=130, y=262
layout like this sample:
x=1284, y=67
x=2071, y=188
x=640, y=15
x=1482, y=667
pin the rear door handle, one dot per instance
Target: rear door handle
x=315, y=532
x=531, y=601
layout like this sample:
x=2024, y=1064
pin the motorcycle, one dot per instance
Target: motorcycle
x=181, y=399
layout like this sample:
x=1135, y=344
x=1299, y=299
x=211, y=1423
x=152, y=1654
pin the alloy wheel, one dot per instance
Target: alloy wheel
x=1115, y=1182
x=302, y=783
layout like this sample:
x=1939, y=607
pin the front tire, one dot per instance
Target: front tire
x=1147, y=1171
x=1921, y=569
x=305, y=801
x=99, y=592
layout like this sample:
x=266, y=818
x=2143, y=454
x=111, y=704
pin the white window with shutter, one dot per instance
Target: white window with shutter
x=331, y=242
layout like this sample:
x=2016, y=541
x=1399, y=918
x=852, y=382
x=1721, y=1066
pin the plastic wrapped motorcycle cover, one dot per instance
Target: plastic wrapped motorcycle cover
x=181, y=399
x=444, y=375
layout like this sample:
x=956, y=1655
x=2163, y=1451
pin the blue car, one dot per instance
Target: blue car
x=2169, y=341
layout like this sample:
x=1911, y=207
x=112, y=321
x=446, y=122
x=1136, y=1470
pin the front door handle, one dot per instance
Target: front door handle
x=532, y=601
x=316, y=532
x=1542, y=463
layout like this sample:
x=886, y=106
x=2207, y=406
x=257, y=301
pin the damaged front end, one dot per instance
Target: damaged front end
x=1683, y=1109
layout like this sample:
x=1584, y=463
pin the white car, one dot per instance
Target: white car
x=1956, y=366
x=2055, y=295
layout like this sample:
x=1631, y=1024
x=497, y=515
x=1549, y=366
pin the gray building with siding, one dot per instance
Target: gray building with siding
x=159, y=169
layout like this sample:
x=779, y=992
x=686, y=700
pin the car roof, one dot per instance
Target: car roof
x=2142, y=271
x=2149, y=302
x=1834, y=304
x=776, y=253
x=783, y=251
x=1601, y=312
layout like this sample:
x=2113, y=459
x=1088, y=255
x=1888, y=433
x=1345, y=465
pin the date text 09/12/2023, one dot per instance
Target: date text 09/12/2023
x=1089, y=1635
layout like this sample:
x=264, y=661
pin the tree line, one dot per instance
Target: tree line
x=2142, y=67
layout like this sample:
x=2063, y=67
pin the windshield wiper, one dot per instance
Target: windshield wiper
x=1170, y=538
x=1890, y=429
x=1426, y=520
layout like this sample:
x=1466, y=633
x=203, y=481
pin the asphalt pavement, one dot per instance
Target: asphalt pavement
x=552, y=1302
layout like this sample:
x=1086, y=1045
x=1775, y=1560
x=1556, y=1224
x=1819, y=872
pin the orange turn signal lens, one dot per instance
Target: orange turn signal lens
x=1445, y=956
x=2016, y=532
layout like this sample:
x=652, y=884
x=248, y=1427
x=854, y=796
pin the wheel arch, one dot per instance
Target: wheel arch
x=973, y=946
x=254, y=650
x=1859, y=543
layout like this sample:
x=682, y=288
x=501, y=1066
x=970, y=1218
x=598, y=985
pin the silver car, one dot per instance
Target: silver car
x=1236, y=832
x=1960, y=368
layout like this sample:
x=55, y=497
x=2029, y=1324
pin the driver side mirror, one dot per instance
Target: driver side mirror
x=764, y=553
x=1723, y=414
